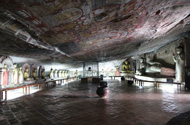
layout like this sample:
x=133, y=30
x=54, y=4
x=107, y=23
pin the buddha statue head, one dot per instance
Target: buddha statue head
x=20, y=69
x=26, y=74
x=126, y=62
x=5, y=66
x=179, y=50
x=26, y=70
x=15, y=66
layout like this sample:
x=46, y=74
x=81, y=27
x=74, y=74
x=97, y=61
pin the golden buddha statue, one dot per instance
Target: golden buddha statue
x=26, y=74
x=35, y=74
x=126, y=67
x=111, y=72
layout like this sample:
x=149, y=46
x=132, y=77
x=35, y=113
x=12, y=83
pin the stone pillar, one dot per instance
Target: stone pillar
x=187, y=63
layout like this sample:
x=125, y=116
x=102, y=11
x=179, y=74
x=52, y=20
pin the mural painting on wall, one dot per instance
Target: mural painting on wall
x=15, y=75
x=34, y=72
x=26, y=69
x=20, y=76
x=179, y=60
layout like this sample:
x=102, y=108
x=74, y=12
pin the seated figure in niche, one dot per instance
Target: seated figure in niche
x=15, y=74
x=5, y=76
x=102, y=72
x=51, y=73
x=20, y=76
x=35, y=74
x=76, y=73
x=26, y=74
x=179, y=60
x=111, y=73
x=60, y=73
x=43, y=74
x=65, y=73
x=117, y=70
x=68, y=74
x=126, y=67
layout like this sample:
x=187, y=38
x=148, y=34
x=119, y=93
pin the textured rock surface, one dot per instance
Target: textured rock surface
x=95, y=30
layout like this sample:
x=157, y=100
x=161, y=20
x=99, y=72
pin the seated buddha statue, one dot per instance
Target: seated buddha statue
x=26, y=74
x=76, y=73
x=126, y=67
x=111, y=72
x=34, y=74
x=60, y=73
x=43, y=74
x=67, y=74
x=51, y=73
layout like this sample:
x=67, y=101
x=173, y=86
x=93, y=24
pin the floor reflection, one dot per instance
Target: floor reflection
x=77, y=103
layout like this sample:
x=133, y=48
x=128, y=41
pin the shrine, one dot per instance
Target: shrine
x=83, y=62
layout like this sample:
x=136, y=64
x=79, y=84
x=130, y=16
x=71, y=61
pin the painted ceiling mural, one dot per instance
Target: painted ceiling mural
x=89, y=30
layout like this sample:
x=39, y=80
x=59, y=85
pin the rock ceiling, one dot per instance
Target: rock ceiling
x=89, y=30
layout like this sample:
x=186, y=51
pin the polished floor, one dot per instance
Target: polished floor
x=77, y=104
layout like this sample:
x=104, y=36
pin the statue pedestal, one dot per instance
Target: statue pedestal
x=151, y=78
x=127, y=74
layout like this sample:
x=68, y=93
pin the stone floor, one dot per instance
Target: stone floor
x=77, y=104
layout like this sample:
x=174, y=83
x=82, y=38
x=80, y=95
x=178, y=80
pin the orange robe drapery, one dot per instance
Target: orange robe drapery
x=5, y=78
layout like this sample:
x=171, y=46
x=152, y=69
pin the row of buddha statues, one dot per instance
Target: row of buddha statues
x=111, y=72
x=12, y=76
x=58, y=73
